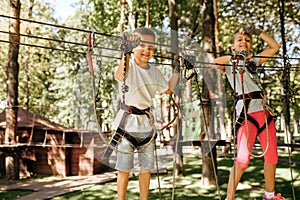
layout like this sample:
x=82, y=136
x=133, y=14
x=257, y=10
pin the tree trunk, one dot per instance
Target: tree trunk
x=148, y=17
x=123, y=16
x=221, y=87
x=174, y=49
x=209, y=164
x=12, y=163
x=286, y=95
x=131, y=19
x=174, y=26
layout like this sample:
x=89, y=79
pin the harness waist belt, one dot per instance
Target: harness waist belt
x=122, y=133
x=132, y=139
x=251, y=95
x=248, y=98
x=117, y=138
x=134, y=110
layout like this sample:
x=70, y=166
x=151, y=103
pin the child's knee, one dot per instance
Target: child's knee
x=242, y=165
x=123, y=172
x=271, y=161
x=144, y=170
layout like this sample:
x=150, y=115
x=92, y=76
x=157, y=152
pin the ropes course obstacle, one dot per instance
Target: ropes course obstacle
x=91, y=47
x=109, y=144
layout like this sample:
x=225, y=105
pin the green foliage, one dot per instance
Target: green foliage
x=105, y=16
x=55, y=69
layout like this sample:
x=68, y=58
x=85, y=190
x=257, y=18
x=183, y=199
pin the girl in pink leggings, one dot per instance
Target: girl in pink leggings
x=240, y=70
x=243, y=155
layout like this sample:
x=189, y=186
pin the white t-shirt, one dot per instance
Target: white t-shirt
x=143, y=84
x=249, y=86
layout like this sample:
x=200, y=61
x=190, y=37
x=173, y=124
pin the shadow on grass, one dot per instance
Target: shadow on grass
x=13, y=194
x=188, y=187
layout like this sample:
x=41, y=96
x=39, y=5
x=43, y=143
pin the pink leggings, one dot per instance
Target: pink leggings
x=243, y=155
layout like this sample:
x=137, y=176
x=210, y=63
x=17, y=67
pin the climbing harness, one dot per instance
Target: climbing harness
x=246, y=100
x=244, y=117
x=127, y=47
x=121, y=132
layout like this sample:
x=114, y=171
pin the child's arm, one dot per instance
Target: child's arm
x=172, y=83
x=130, y=42
x=120, y=71
x=219, y=63
x=273, y=48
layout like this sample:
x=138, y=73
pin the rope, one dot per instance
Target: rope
x=87, y=31
x=202, y=65
x=234, y=65
x=174, y=164
x=242, y=71
x=247, y=127
x=157, y=173
x=210, y=147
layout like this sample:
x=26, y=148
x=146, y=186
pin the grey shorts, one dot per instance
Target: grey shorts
x=125, y=161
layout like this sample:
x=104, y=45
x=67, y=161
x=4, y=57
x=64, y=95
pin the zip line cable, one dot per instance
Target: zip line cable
x=43, y=38
x=296, y=68
x=104, y=34
x=84, y=45
x=59, y=26
x=83, y=30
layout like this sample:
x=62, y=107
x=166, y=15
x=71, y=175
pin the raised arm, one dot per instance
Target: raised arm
x=273, y=45
x=127, y=45
x=120, y=71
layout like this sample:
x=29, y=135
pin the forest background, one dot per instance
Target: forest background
x=51, y=57
x=53, y=74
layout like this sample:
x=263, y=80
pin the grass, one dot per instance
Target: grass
x=13, y=194
x=188, y=187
